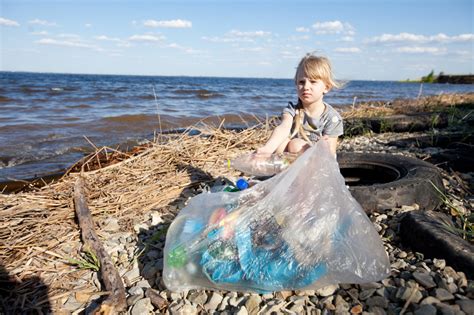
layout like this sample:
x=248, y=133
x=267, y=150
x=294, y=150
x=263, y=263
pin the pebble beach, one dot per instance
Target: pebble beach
x=133, y=233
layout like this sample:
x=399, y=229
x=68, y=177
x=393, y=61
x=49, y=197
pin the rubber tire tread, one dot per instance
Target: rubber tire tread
x=415, y=184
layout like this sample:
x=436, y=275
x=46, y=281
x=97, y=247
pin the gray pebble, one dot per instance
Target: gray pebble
x=426, y=309
x=443, y=294
x=424, y=279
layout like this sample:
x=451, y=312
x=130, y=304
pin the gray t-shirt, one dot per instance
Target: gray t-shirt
x=328, y=124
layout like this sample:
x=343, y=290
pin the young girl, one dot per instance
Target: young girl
x=311, y=118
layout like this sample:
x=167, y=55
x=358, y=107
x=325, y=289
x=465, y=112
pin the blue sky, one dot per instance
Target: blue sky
x=373, y=40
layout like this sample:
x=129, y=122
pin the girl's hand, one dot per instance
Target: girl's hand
x=262, y=152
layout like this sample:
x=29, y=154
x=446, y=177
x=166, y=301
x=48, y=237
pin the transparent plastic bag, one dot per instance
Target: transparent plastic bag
x=300, y=229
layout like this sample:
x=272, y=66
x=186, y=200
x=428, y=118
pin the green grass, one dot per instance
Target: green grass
x=88, y=260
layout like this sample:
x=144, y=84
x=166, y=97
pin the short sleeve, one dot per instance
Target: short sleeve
x=334, y=127
x=290, y=109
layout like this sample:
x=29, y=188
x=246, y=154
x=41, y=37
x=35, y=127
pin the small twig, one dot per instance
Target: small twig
x=410, y=298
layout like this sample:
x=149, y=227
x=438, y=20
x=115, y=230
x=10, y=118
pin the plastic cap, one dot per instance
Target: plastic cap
x=242, y=184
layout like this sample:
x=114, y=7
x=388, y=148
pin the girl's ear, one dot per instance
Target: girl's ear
x=326, y=89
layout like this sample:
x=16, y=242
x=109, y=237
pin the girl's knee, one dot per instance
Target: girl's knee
x=297, y=145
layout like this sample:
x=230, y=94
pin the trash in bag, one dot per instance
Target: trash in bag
x=253, y=164
x=300, y=229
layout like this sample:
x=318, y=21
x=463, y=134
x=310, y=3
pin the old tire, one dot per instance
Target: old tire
x=383, y=181
x=431, y=233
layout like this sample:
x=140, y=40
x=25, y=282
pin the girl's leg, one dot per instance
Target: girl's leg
x=297, y=145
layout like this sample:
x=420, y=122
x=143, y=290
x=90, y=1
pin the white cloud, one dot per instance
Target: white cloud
x=65, y=43
x=302, y=29
x=252, y=49
x=106, y=38
x=421, y=50
x=348, y=50
x=299, y=38
x=42, y=22
x=347, y=39
x=40, y=33
x=74, y=37
x=88, y=25
x=235, y=36
x=7, y=22
x=416, y=38
x=146, y=38
x=249, y=34
x=169, y=24
x=333, y=27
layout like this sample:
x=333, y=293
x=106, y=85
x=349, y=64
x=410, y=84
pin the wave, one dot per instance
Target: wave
x=201, y=93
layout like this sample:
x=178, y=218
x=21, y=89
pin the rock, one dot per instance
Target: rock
x=377, y=310
x=425, y=309
x=357, y=309
x=402, y=254
x=242, y=311
x=439, y=263
x=283, y=295
x=131, y=275
x=83, y=296
x=467, y=306
x=253, y=304
x=156, y=218
x=136, y=291
x=424, y=279
x=143, y=284
x=403, y=293
x=214, y=300
x=327, y=291
x=198, y=297
x=156, y=299
x=377, y=301
x=365, y=294
x=132, y=299
x=72, y=304
x=430, y=300
x=443, y=294
x=142, y=307
x=341, y=305
x=111, y=225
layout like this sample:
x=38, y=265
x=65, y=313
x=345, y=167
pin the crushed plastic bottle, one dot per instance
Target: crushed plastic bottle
x=255, y=165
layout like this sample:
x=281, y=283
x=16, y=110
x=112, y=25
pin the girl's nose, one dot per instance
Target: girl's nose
x=306, y=84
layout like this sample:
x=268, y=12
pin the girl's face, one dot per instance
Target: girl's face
x=310, y=90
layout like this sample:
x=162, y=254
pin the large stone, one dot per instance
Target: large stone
x=253, y=304
x=327, y=291
x=424, y=279
x=142, y=307
x=443, y=295
x=426, y=309
x=214, y=300
x=467, y=306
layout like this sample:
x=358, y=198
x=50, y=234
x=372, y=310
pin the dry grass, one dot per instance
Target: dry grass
x=38, y=231
x=442, y=102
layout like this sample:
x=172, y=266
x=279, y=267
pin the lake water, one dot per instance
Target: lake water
x=44, y=118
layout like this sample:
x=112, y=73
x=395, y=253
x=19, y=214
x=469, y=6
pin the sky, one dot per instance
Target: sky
x=365, y=40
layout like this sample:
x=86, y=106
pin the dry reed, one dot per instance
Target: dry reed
x=38, y=231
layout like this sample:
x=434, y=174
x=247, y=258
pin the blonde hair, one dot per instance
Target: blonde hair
x=314, y=67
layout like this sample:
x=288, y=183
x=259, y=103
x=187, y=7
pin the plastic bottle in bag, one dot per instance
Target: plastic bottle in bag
x=253, y=164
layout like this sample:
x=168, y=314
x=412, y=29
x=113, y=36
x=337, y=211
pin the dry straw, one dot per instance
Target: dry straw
x=38, y=230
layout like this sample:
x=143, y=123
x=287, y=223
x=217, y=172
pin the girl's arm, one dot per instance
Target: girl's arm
x=280, y=134
x=332, y=144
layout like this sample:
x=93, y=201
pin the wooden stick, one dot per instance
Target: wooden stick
x=116, y=301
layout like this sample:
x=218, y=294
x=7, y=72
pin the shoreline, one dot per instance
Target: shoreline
x=133, y=201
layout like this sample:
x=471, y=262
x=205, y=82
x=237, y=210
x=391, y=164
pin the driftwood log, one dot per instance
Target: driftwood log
x=116, y=301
